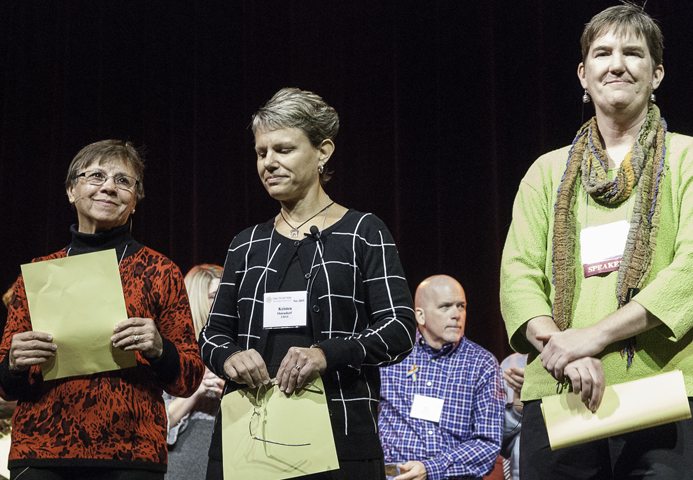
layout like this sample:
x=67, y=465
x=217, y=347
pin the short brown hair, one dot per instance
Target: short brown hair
x=105, y=150
x=626, y=18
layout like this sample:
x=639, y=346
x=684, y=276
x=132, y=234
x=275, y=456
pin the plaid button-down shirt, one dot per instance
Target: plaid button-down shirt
x=467, y=439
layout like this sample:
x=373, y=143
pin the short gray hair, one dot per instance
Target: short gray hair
x=626, y=18
x=102, y=151
x=294, y=108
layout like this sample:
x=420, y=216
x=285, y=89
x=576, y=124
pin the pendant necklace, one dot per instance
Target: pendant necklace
x=294, y=230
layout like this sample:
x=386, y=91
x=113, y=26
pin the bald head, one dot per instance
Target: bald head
x=430, y=287
x=441, y=310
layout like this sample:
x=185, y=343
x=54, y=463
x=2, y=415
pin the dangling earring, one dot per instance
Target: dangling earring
x=321, y=169
x=586, y=97
x=653, y=98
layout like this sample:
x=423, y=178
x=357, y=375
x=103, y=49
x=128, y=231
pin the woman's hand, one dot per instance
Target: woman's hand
x=561, y=348
x=587, y=377
x=30, y=348
x=211, y=386
x=139, y=334
x=248, y=367
x=298, y=365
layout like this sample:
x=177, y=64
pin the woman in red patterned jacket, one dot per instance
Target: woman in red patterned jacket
x=109, y=425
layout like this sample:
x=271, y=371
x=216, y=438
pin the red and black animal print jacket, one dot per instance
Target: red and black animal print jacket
x=113, y=419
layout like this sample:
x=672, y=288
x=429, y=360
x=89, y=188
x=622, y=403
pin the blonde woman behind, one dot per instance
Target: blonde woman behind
x=191, y=420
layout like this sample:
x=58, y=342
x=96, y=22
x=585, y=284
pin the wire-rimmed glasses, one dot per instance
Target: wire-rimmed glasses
x=261, y=403
x=97, y=178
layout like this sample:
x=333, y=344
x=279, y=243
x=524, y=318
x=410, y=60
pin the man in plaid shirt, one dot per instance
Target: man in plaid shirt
x=441, y=410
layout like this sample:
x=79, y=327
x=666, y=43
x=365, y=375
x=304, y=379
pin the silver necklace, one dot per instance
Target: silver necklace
x=294, y=230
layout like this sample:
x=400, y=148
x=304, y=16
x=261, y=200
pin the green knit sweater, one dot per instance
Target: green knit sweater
x=527, y=290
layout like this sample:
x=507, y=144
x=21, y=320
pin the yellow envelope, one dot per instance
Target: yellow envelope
x=300, y=419
x=626, y=407
x=78, y=300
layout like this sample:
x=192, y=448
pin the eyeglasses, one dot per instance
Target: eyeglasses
x=123, y=182
x=261, y=403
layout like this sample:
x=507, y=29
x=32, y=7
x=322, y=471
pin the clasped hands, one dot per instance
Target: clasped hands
x=34, y=348
x=570, y=354
x=248, y=367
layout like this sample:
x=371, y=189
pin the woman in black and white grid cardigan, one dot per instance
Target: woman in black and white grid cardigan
x=360, y=313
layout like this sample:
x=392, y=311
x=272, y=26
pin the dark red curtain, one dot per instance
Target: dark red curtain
x=444, y=104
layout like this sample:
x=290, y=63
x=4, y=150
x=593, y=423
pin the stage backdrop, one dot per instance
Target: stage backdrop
x=444, y=104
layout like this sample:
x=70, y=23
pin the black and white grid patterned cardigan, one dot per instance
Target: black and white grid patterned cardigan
x=359, y=305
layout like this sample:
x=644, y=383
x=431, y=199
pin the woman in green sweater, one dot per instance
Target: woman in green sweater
x=598, y=263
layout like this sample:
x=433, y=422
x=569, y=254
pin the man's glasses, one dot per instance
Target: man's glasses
x=261, y=404
x=123, y=182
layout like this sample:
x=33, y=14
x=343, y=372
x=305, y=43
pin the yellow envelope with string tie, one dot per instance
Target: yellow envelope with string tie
x=269, y=436
x=78, y=300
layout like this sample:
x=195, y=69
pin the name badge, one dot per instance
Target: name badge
x=427, y=408
x=285, y=310
x=601, y=248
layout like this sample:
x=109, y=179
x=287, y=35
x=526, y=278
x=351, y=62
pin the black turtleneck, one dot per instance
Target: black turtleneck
x=118, y=238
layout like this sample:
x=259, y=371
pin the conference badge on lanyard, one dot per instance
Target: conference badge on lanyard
x=601, y=247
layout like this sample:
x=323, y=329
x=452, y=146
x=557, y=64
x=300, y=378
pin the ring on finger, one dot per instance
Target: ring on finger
x=298, y=368
x=136, y=338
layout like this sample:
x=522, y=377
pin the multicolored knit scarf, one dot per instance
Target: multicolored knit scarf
x=644, y=167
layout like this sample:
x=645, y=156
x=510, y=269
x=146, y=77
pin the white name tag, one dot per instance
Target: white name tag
x=601, y=247
x=427, y=408
x=285, y=310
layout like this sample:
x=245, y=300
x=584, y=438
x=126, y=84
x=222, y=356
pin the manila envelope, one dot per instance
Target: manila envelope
x=78, y=300
x=300, y=419
x=626, y=407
